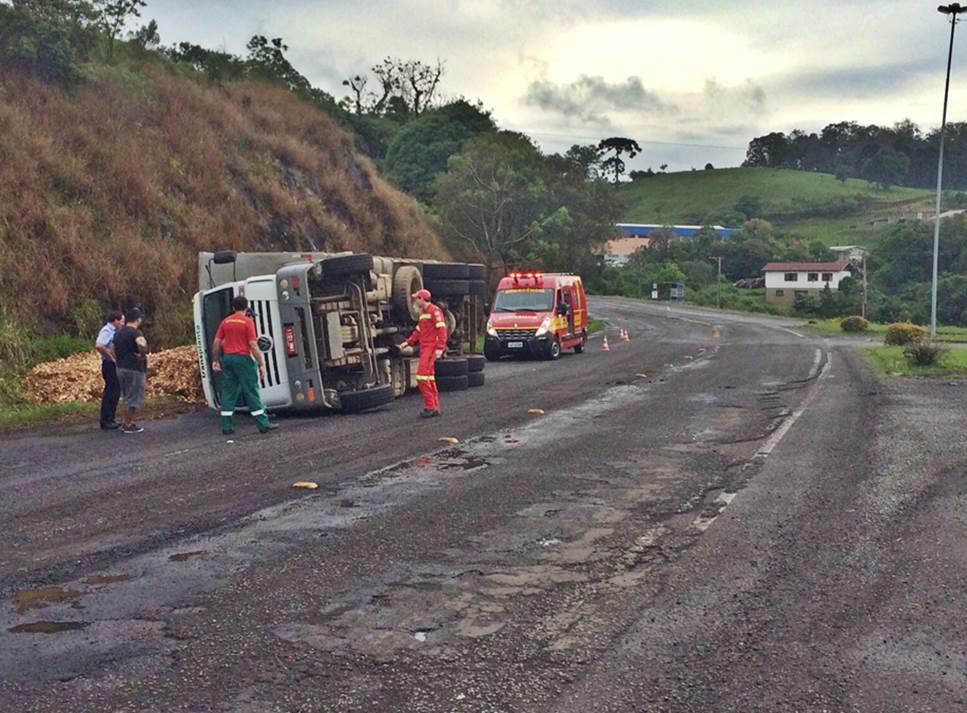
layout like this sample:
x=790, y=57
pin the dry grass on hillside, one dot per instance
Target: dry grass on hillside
x=107, y=192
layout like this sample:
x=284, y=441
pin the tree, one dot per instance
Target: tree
x=420, y=150
x=886, y=168
x=146, y=37
x=750, y=206
x=217, y=66
x=266, y=60
x=767, y=151
x=709, y=167
x=617, y=145
x=406, y=89
x=113, y=15
x=49, y=38
x=492, y=197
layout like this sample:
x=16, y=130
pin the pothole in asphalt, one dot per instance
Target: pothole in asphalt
x=48, y=627
x=43, y=597
x=182, y=556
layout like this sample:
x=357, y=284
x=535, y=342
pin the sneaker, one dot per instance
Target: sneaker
x=429, y=413
x=133, y=428
x=269, y=427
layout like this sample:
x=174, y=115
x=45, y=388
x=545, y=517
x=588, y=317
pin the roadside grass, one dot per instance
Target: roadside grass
x=595, y=325
x=889, y=361
x=831, y=326
x=33, y=414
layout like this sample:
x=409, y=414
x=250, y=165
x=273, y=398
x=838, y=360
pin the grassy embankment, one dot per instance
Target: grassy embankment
x=794, y=201
x=831, y=326
x=110, y=189
x=889, y=361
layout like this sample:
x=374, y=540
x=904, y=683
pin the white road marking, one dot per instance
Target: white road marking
x=791, y=331
x=774, y=439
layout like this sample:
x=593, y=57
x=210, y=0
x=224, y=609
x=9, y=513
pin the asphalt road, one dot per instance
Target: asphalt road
x=722, y=514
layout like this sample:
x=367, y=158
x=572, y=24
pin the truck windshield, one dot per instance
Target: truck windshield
x=524, y=300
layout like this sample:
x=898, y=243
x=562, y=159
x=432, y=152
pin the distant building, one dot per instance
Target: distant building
x=638, y=235
x=786, y=280
x=853, y=253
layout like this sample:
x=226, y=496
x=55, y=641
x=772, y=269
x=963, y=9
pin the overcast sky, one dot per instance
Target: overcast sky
x=692, y=82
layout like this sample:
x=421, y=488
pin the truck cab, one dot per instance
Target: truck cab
x=537, y=314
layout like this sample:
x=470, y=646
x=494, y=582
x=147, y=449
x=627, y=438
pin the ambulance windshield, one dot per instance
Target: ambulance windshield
x=524, y=300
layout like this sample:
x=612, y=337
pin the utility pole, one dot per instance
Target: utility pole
x=953, y=9
x=718, y=282
x=863, y=311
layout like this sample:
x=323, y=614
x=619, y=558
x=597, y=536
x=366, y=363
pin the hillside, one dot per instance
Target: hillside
x=812, y=205
x=108, y=190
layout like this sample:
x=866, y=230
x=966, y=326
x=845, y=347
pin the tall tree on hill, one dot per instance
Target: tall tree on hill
x=617, y=145
x=49, y=38
x=406, y=89
x=494, y=199
x=113, y=15
x=267, y=60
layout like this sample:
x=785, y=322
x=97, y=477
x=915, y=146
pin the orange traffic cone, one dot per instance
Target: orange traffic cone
x=624, y=335
x=604, y=344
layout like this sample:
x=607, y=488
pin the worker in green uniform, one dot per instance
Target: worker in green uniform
x=235, y=353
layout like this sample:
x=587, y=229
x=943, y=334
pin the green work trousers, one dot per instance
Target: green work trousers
x=240, y=375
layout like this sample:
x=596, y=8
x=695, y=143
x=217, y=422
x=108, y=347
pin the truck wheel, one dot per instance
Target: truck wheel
x=406, y=281
x=479, y=288
x=554, y=349
x=452, y=383
x=476, y=271
x=433, y=271
x=475, y=363
x=450, y=367
x=475, y=378
x=492, y=352
x=344, y=265
x=365, y=399
x=448, y=288
x=578, y=348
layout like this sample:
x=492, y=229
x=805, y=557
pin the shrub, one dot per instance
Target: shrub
x=854, y=324
x=901, y=333
x=923, y=353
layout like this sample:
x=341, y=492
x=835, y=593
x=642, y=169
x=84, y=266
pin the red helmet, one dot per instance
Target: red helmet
x=423, y=294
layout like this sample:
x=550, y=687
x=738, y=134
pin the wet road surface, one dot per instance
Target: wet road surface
x=722, y=514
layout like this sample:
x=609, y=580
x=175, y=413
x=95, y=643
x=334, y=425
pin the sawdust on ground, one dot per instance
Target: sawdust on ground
x=171, y=373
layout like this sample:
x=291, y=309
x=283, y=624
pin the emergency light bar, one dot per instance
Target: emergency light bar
x=518, y=276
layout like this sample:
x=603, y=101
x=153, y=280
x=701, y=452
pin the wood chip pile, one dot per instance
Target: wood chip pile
x=171, y=372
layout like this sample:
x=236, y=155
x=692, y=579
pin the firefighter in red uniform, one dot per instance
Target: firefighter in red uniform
x=431, y=332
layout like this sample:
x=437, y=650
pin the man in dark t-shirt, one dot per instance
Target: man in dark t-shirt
x=131, y=353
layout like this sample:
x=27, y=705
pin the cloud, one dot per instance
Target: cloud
x=859, y=81
x=591, y=98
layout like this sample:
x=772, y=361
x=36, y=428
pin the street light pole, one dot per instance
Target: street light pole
x=953, y=9
x=718, y=283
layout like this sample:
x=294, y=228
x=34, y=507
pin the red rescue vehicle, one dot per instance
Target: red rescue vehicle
x=537, y=314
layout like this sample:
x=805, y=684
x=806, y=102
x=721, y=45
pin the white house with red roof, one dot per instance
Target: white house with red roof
x=785, y=280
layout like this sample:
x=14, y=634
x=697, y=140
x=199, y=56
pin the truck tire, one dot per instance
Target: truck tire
x=476, y=271
x=433, y=271
x=448, y=288
x=406, y=281
x=344, y=265
x=479, y=288
x=452, y=383
x=475, y=362
x=475, y=378
x=450, y=367
x=365, y=399
x=492, y=353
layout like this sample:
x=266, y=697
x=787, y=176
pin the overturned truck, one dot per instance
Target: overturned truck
x=330, y=324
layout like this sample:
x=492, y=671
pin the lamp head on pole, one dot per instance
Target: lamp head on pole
x=953, y=8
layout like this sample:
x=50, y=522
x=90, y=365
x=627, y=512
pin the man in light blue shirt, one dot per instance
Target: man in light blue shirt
x=112, y=389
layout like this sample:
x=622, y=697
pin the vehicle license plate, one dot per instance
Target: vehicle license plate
x=515, y=345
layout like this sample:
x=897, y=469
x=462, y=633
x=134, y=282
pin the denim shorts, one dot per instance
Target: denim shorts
x=132, y=387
